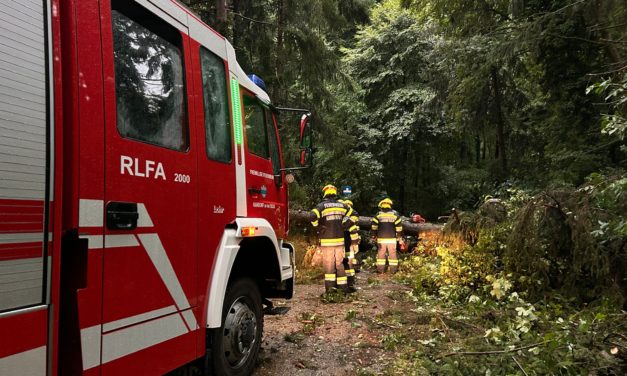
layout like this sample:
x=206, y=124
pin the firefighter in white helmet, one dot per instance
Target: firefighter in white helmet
x=351, y=246
x=330, y=218
x=386, y=227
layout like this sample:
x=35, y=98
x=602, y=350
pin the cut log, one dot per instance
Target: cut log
x=303, y=217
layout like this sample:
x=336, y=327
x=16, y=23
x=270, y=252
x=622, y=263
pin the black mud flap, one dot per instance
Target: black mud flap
x=271, y=310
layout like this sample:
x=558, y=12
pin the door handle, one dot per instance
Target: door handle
x=122, y=215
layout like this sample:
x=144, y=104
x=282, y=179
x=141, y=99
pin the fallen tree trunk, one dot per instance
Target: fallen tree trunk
x=303, y=217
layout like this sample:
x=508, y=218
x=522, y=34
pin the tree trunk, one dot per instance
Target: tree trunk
x=404, y=154
x=280, y=17
x=220, y=22
x=610, y=46
x=498, y=117
x=304, y=217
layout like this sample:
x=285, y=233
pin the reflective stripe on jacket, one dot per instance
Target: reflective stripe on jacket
x=331, y=218
x=387, y=225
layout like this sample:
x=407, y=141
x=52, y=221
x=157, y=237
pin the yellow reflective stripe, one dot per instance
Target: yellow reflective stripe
x=399, y=229
x=397, y=221
x=386, y=240
x=393, y=262
x=375, y=220
x=342, y=280
x=329, y=277
x=350, y=272
x=314, y=223
x=316, y=212
x=333, y=211
x=380, y=261
x=387, y=215
x=355, y=218
x=349, y=212
x=353, y=227
x=375, y=227
x=329, y=241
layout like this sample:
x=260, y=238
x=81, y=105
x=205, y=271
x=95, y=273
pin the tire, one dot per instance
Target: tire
x=235, y=345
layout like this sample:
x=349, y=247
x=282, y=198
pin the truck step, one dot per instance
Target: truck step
x=272, y=311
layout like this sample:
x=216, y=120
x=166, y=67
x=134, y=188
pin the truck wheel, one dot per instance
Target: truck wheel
x=236, y=344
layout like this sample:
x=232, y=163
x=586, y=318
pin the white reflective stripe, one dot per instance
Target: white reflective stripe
x=93, y=241
x=144, y=219
x=110, y=241
x=90, y=346
x=128, y=321
x=117, y=241
x=23, y=237
x=190, y=319
x=142, y=336
x=90, y=213
x=31, y=363
x=159, y=258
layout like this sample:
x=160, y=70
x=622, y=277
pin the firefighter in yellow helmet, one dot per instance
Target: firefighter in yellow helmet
x=386, y=226
x=331, y=217
x=351, y=246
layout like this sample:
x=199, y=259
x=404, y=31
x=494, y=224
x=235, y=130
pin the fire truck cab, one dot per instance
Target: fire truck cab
x=143, y=196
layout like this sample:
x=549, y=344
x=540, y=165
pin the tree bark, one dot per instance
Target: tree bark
x=604, y=38
x=498, y=117
x=477, y=149
x=409, y=228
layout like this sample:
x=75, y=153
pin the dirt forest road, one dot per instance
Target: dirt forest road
x=340, y=338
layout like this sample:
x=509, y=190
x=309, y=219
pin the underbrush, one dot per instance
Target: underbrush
x=480, y=325
x=534, y=287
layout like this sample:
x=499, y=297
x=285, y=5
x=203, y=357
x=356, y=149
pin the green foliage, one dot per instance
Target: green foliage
x=572, y=240
x=615, y=94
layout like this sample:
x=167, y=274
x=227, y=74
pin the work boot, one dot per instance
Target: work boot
x=329, y=286
x=345, y=289
x=351, y=285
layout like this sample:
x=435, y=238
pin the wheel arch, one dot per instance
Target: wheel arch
x=260, y=257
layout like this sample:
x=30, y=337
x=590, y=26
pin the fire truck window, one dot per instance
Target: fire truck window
x=150, y=87
x=217, y=125
x=256, y=134
x=274, y=144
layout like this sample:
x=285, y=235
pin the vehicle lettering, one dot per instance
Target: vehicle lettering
x=181, y=178
x=131, y=166
x=263, y=205
x=261, y=174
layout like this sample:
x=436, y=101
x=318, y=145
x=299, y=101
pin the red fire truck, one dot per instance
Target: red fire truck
x=143, y=198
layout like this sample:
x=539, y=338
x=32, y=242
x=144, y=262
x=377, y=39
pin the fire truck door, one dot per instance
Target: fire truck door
x=149, y=287
x=267, y=193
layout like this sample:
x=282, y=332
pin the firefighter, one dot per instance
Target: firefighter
x=386, y=226
x=331, y=218
x=351, y=246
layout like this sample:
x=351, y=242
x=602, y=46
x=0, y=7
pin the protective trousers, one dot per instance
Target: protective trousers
x=349, y=260
x=332, y=263
x=387, y=252
x=354, y=251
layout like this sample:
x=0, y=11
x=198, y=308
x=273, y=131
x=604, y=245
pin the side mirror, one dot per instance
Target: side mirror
x=306, y=157
x=305, y=131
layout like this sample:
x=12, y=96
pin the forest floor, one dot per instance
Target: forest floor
x=342, y=337
x=430, y=318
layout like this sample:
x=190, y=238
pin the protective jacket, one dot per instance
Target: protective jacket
x=351, y=234
x=387, y=226
x=331, y=218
